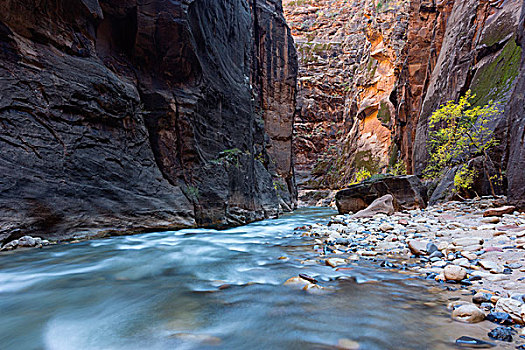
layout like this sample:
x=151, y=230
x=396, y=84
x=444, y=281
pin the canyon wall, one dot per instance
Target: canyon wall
x=516, y=118
x=400, y=60
x=348, y=53
x=121, y=116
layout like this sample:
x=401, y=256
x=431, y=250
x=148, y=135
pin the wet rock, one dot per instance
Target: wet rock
x=501, y=333
x=480, y=298
x=198, y=338
x=297, y=282
x=334, y=262
x=11, y=245
x=27, y=241
x=518, y=296
x=436, y=254
x=469, y=342
x=432, y=248
x=347, y=344
x=468, y=313
x=500, y=318
x=509, y=209
x=454, y=273
x=307, y=278
x=314, y=288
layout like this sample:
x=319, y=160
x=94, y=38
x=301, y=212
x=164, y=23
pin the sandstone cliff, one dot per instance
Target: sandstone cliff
x=349, y=55
x=132, y=115
x=400, y=61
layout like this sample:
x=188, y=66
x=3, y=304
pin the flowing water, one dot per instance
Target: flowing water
x=208, y=289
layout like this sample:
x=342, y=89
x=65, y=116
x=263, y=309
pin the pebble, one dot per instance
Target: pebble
x=334, y=262
x=480, y=298
x=454, y=273
x=500, y=318
x=386, y=227
x=501, y=333
x=470, y=342
x=347, y=344
x=491, y=266
x=468, y=313
x=417, y=247
x=499, y=211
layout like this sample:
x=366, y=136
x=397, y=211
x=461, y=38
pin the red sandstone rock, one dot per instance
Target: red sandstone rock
x=509, y=209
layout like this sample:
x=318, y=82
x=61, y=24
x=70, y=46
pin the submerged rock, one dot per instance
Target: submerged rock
x=470, y=342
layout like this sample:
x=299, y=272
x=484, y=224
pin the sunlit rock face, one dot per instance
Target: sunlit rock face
x=372, y=72
x=349, y=54
x=119, y=116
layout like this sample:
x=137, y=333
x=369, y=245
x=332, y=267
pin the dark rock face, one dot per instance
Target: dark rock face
x=479, y=53
x=131, y=115
x=408, y=193
x=516, y=115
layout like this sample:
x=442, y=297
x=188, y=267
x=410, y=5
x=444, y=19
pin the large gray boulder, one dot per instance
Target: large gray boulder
x=408, y=192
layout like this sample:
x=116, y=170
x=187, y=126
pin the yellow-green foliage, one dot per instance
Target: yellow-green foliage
x=399, y=168
x=459, y=132
x=362, y=175
x=464, y=178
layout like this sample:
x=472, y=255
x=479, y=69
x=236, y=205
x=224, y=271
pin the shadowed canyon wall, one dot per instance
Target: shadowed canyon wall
x=390, y=64
x=132, y=115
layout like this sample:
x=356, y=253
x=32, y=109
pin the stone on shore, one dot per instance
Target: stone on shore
x=454, y=273
x=418, y=247
x=509, y=209
x=469, y=342
x=334, y=262
x=407, y=192
x=383, y=205
x=491, y=266
x=513, y=307
x=468, y=313
x=501, y=333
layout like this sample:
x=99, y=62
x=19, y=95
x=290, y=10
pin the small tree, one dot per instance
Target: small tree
x=458, y=133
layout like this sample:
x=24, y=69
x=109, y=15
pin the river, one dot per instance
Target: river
x=208, y=289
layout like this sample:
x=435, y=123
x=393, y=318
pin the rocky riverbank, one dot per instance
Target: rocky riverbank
x=476, y=248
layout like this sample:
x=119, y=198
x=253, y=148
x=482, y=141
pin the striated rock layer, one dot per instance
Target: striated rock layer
x=132, y=115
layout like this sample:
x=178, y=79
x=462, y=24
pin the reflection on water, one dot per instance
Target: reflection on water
x=200, y=289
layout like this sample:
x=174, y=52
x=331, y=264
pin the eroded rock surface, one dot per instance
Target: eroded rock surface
x=119, y=116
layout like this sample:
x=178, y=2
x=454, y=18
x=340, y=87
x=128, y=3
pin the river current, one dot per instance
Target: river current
x=208, y=289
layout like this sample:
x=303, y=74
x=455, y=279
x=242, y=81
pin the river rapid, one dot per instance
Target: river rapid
x=208, y=289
